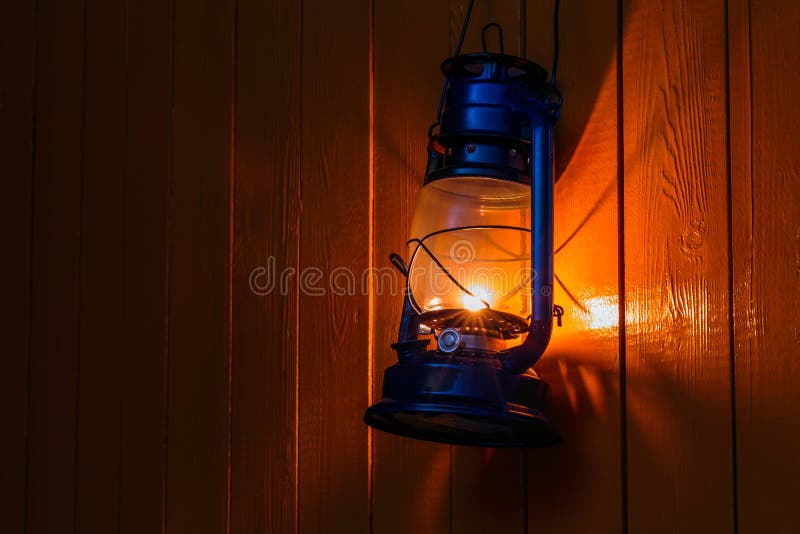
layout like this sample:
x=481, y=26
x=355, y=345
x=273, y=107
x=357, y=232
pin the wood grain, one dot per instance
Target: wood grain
x=334, y=345
x=266, y=245
x=155, y=155
x=488, y=486
x=17, y=63
x=147, y=185
x=102, y=271
x=56, y=232
x=764, y=80
x=676, y=268
x=407, y=474
x=581, y=364
x=199, y=276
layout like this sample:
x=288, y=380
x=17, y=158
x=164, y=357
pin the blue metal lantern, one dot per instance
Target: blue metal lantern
x=478, y=309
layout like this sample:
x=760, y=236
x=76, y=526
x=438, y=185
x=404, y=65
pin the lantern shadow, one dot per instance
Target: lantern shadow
x=665, y=423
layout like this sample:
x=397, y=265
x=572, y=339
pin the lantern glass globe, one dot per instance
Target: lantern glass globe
x=470, y=246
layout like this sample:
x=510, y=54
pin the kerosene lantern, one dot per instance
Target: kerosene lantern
x=478, y=308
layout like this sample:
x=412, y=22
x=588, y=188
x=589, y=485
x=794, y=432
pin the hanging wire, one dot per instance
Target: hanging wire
x=464, y=25
x=555, y=45
x=523, y=29
x=523, y=52
x=457, y=51
x=555, y=106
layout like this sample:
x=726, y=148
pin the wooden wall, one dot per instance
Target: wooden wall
x=160, y=159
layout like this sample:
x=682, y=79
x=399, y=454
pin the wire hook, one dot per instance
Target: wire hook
x=499, y=34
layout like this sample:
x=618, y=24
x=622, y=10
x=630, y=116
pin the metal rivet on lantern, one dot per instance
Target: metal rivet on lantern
x=449, y=340
x=470, y=148
x=513, y=152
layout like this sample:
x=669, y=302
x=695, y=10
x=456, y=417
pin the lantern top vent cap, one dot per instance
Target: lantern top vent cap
x=492, y=66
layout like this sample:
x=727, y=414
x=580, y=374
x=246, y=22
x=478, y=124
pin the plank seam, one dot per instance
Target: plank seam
x=168, y=271
x=232, y=160
x=31, y=228
x=450, y=487
x=371, y=264
x=298, y=248
x=731, y=322
x=79, y=300
x=752, y=186
x=525, y=488
x=623, y=398
x=124, y=269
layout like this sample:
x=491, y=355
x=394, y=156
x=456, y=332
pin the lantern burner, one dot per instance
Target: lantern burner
x=485, y=322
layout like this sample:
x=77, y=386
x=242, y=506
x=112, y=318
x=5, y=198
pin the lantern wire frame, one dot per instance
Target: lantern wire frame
x=421, y=245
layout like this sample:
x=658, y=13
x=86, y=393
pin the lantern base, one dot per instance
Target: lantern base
x=476, y=404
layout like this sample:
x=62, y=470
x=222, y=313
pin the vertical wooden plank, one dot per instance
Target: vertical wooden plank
x=58, y=167
x=740, y=112
x=102, y=270
x=581, y=365
x=676, y=271
x=766, y=254
x=266, y=241
x=147, y=159
x=334, y=332
x=17, y=64
x=199, y=277
x=488, y=492
x=488, y=485
x=408, y=475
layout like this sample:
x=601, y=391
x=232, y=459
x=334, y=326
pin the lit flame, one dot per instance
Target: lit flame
x=476, y=301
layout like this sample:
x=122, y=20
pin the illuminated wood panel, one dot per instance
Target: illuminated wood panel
x=678, y=386
x=765, y=178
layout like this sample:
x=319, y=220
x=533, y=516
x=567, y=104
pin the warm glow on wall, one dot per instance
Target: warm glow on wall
x=601, y=312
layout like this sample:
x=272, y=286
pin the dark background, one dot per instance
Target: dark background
x=154, y=153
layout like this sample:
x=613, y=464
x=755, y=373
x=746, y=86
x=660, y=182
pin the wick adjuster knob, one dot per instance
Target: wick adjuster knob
x=449, y=340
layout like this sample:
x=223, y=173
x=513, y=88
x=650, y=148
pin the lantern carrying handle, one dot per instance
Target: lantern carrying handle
x=499, y=34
